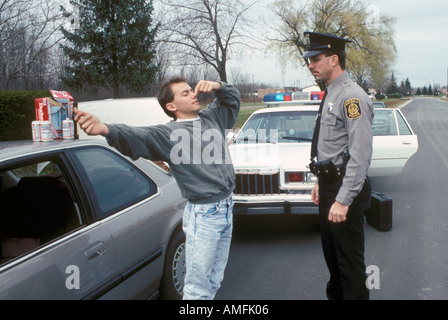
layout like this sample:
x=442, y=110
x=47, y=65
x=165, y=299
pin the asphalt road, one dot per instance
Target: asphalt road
x=280, y=258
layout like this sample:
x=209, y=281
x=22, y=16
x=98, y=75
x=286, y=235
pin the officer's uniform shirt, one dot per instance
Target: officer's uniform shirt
x=346, y=124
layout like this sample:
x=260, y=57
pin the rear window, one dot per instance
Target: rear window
x=402, y=126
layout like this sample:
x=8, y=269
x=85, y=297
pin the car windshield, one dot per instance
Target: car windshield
x=281, y=127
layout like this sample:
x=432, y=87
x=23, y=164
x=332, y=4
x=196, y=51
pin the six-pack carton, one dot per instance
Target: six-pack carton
x=55, y=109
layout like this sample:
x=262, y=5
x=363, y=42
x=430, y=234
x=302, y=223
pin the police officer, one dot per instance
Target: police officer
x=341, y=155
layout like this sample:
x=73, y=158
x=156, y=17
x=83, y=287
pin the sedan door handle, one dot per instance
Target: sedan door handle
x=407, y=142
x=94, y=252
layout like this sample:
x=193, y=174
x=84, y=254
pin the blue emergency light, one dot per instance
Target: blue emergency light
x=304, y=98
x=272, y=97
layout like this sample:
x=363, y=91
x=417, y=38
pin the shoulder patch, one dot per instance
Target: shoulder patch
x=353, y=109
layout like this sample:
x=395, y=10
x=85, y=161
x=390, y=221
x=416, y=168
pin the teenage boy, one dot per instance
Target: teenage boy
x=202, y=169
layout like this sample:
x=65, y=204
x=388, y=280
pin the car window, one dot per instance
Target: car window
x=36, y=207
x=402, y=125
x=379, y=105
x=283, y=127
x=384, y=123
x=115, y=183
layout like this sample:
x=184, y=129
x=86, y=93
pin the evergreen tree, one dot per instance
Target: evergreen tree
x=113, y=47
x=402, y=88
x=393, y=88
x=407, y=85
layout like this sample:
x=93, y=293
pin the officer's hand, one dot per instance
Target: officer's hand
x=90, y=123
x=206, y=86
x=315, y=194
x=338, y=212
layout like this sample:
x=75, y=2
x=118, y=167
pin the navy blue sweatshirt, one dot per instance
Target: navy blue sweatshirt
x=196, y=150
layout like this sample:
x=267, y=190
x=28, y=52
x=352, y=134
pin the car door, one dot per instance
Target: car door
x=51, y=248
x=394, y=142
x=127, y=201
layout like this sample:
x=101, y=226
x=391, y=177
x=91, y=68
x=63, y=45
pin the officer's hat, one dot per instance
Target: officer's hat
x=317, y=43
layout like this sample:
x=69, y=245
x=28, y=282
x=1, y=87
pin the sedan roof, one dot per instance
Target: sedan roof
x=11, y=149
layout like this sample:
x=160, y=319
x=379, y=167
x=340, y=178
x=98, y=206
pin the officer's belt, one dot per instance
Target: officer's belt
x=326, y=171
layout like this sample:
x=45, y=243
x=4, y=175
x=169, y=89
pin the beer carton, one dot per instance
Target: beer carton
x=55, y=109
x=67, y=102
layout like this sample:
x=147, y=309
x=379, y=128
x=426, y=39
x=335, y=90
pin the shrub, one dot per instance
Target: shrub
x=17, y=113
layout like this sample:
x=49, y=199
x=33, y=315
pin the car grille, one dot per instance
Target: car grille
x=257, y=184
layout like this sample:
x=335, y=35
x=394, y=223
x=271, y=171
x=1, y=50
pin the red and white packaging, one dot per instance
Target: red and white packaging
x=35, y=129
x=68, y=129
x=46, y=131
x=55, y=109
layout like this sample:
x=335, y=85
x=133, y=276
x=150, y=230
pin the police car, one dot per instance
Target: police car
x=271, y=153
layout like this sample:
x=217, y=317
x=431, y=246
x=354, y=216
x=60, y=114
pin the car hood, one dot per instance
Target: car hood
x=261, y=156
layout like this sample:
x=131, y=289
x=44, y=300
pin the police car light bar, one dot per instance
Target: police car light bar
x=295, y=97
x=271, y=97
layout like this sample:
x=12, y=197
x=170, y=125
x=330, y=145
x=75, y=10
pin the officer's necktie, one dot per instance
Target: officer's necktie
x=317, y=128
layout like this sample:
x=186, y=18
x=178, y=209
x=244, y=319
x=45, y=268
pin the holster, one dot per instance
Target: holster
x=326, y=171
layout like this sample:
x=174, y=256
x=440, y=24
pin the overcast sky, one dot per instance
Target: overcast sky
x=421, y=38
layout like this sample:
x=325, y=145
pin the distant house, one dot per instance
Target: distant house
x=311, y=88
x=263, y=92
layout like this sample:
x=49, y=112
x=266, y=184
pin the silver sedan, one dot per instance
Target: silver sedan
x=80, y=221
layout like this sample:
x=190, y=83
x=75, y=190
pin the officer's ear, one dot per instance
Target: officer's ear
x=334, y=60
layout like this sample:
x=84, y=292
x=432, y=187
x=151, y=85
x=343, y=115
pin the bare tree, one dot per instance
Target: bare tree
x=206, y=31
x=28, y=31
x=243, y=82
x=372, y=52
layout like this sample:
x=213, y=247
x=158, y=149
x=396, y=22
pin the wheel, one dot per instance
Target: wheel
x=172, y=284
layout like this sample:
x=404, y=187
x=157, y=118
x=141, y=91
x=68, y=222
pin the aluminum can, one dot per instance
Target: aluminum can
x=35, y=129
x=68, y=129
x=46, y=131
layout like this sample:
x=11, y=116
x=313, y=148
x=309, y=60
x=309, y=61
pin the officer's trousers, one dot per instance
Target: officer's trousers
x=343, y=243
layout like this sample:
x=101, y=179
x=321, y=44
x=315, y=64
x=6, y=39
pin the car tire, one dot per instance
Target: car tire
x=172, y=283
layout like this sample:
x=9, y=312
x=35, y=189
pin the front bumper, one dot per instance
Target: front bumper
x=278, y=206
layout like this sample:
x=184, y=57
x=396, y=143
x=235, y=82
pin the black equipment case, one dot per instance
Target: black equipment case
x=379, y=215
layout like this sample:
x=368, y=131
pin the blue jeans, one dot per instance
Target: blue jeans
x=208, y=230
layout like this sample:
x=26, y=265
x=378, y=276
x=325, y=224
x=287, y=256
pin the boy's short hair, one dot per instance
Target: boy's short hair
x=165, y=95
